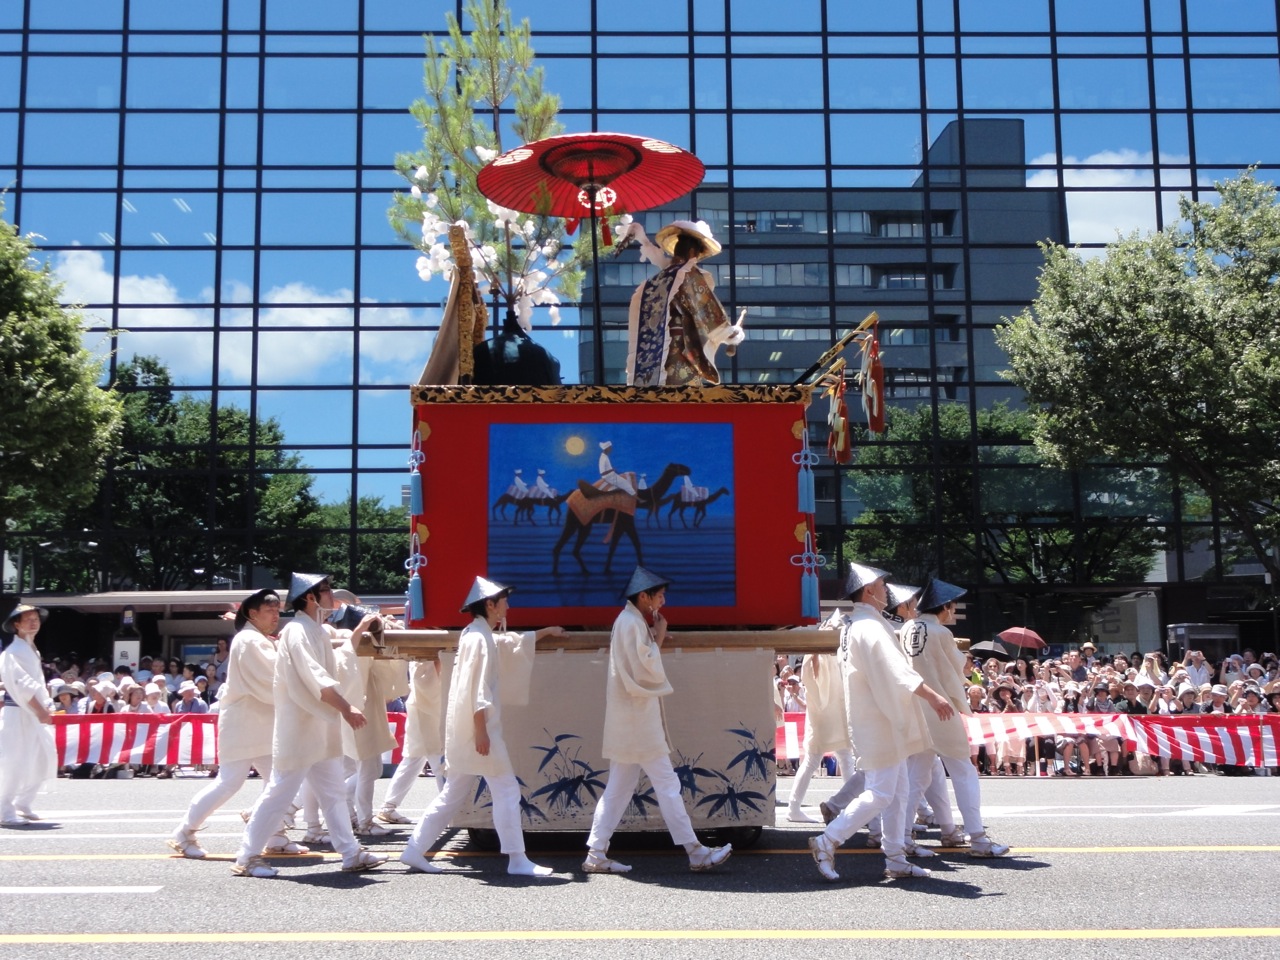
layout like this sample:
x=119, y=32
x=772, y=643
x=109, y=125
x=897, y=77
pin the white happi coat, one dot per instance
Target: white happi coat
x=27, y=753
x=885, y=718
x=246, y=710
x=306, y=729
x=826, y=727
x=934, y=655
x=424, y=713
x=380, y=681
x=478, y=683
x=634, y=728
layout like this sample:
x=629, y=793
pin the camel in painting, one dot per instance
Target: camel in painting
x=615, y=508
x=699, y=507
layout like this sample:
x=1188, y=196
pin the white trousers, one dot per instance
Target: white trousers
x=232, y=775
x=406, y=773
x=327, y=782
x=809, y=766
x=927, y=778
x=457, y=790
x=613, y=803
x=885, y=796
x=360, y=786
x=964, y=781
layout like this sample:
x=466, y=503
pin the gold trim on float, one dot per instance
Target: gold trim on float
x=722, y=393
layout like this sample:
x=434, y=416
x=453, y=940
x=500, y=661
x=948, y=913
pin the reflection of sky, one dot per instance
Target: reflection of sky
x=339, y=303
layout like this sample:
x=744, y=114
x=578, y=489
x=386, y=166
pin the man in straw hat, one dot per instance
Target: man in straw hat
x=246, y=718
x=675, y=322
x=306, y=741
x=27, y=754
x=635, y=736
x=883, y=695
x=482, y=681
x=929, y=643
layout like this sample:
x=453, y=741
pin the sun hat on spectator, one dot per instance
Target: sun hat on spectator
x=106, y=678
x=1144, y=682
x=1218, y=690
x=1255, y=666
x=155, y=688
x=1070, y=687
x=127, y=684
x=1185, y=688
x=55, y=687
x=1087, y=645
x=186, y=685
x=76, y=688
x=105, y=689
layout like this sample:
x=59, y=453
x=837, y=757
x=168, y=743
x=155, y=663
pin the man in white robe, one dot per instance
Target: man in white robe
x=826, y=729
x=882, y=696
x=423, y=738
x=306, y=744
x=935, y=656
x=246, y=715
x=635, y=734
x=611, y=478
x=27, y=754
x=474, y=746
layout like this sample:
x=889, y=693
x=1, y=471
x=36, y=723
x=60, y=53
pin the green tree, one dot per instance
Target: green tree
x=57, y=427
x=372, y=559
x=1005, y=518
x=477, y=85
x=197, y=494
x=1167, y=350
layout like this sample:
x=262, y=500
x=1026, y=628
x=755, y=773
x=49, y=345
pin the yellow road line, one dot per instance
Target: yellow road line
x=459, y=854
x=441, y=936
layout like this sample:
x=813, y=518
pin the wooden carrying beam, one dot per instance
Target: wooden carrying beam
x=427, y=644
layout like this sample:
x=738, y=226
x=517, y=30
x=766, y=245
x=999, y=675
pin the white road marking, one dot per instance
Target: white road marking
x=54, y=891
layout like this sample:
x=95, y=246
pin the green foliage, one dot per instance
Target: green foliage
x=477, y=84
x=1167, y=350
x=198, y=493
x=921, y=477
x=379, y=550
x=57, y=427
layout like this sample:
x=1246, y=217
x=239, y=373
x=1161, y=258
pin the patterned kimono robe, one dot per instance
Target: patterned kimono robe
x=676, y=324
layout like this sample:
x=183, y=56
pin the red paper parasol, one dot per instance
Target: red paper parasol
x=587, y=174
x=1023, y=637
x=562, y=176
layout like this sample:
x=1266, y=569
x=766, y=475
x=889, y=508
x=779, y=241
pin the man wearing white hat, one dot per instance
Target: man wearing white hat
x=886, y=722
x=190, y=702
x=518, y=489
x=27, y=754
x=675, y=322
x=635, y=737
x=474, y=746
x=934, y=655
x=611, y=478
x=246, y=715
x=540, y=487
x=306, y=743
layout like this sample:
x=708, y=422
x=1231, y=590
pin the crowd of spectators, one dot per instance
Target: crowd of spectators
x=1083, y=681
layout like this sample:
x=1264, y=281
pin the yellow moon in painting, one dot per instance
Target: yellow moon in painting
x=574, y=446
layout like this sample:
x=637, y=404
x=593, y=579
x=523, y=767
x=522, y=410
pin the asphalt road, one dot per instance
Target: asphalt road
x=1103, y=868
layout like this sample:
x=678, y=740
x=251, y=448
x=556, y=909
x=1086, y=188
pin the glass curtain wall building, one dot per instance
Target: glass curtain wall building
x=211, y=179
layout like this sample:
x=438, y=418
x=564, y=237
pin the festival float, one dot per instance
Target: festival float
x=560, y=491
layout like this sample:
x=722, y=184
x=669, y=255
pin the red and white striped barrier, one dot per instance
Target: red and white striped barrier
x=1237, y=741
x=186, y=739
x=191, y=739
